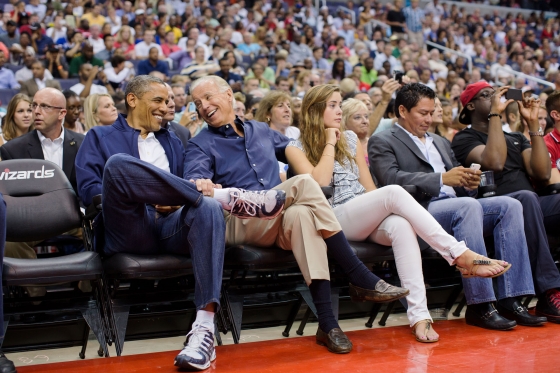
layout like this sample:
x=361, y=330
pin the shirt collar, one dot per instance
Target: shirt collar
x=43, y=138
x=555, y=134
x=414, y=137
x=228, y=130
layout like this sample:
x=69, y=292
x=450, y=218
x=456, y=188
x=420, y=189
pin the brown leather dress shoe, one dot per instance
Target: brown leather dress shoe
x=336, y=341
x=383, y=293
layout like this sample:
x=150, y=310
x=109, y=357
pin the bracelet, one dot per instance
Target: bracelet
x=327, y=155
x=60, y=67
x=333, y=145
x=494, y=115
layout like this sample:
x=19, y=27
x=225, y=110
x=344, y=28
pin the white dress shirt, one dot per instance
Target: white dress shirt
x=151, y=151
x=41, y=83
x=52, y=149
x=143, y=50
x=433, y=157
x=95, y=88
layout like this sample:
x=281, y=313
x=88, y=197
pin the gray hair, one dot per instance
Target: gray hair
x=139, y=85
x=222, y=85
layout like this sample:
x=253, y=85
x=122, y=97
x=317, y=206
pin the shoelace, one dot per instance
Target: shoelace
x=196, y=338
x=555, y=298
x=246, y=200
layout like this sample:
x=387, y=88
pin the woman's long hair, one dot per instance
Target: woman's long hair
x=9, y=128
x=91, y=104
x=311, y=125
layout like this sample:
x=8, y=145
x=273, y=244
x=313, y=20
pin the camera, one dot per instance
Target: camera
x=398, y=76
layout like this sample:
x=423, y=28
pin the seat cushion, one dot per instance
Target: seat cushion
x=128, y=266
x=246, y=257
x=68, y=268
x=369, y=252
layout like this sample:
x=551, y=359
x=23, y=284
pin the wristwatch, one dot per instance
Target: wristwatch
x=540, y=132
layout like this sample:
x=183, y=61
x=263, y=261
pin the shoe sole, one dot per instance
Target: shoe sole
x=550, y=318
x=334, y=352
x=197, y=366
x=493, y=276
x=485, y=327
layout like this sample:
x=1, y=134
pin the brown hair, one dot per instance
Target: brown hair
x=312, y=128
x=270, y=100
x=553, y=102
x=9, y=127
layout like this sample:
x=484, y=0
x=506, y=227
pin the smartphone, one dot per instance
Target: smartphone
x=475, y=166
x=192, y=107
x=514, y=94
x=398, y=76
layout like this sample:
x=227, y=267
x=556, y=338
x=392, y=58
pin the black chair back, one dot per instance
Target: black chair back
x=37, y=195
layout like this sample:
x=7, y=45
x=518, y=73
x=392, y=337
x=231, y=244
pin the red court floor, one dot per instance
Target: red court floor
x=462, y=348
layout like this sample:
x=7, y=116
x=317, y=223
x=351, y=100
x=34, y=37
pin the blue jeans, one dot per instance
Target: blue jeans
x=132, y=225
x=545, y=272
x=471, y=220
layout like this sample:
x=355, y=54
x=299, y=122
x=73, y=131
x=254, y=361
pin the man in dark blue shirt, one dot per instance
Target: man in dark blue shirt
x=39, y=42
x=245, y=154
x=153, y=64
x=233, y=79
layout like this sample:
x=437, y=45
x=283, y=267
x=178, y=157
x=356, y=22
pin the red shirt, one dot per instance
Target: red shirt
x=552, y=141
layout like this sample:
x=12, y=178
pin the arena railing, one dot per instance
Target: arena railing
x=452, y=51
x=517, y=74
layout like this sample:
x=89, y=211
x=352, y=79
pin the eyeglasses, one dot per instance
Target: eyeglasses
x=44, y=107
x=486, y=95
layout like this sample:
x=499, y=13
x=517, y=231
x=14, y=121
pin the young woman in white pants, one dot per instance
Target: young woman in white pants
x=389, y=215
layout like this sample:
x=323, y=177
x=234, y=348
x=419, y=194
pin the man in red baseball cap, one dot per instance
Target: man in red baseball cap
x=516, y=163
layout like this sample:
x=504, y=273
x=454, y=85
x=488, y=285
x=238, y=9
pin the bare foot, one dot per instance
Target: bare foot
x=424, y=331
x=465, y=262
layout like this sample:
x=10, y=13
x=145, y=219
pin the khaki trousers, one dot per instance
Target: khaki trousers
x=306, y=220
x=416, y=37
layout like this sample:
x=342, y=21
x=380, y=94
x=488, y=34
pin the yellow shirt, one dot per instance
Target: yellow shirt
x=99, y=20
x=176, y=31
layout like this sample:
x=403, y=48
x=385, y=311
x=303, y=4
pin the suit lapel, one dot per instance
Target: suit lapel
x=438, y=142
x=405, y=138
x=69, y=151
x=34, y=147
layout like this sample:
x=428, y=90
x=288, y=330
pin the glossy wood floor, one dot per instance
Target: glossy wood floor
x=462, y=348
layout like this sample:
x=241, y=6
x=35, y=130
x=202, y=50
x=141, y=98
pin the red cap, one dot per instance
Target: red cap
x=467, y=96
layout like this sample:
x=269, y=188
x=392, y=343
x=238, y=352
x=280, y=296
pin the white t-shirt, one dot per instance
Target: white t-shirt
x=143, y=50
x=151, y=151
x=95, y=88
x=98, y=45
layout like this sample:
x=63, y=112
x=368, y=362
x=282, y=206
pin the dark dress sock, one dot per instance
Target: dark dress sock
x=340, y=250
x=321, y=293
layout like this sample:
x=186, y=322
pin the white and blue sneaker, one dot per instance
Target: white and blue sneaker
x=199, y=351
x=262, y=204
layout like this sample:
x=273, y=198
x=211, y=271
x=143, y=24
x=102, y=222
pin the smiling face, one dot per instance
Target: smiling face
x=281, y=115
x=543, y=114
x=106, y=113
x=213, y=103
x=23, y=117
x=147, y=112
x=170, y=105
x=332, y=116
x=418, y=120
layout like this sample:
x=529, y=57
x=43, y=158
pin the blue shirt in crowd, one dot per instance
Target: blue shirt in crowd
x=145, y=67
x=249, y=162
x=7, y=80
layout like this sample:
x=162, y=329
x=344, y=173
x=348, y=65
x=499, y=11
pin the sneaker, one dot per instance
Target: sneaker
x=199, y=351
x=263, y=204
x=549, y=305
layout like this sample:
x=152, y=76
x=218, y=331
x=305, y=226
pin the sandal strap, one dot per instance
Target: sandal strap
x=485, y=262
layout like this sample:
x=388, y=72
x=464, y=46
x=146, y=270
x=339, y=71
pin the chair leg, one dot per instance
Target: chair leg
x=304, y=321
x=121, y=320
x=292, y=316
x=85, y=337
x=373, y=314
x=233, y=307
x=95, y=322
x=387, y=312
x=460, y=306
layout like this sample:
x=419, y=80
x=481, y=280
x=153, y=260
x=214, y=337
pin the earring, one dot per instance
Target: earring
x=267, y=119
